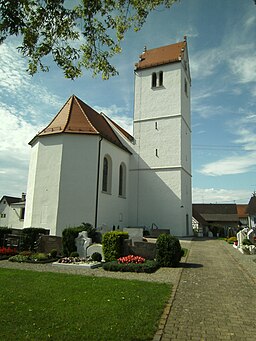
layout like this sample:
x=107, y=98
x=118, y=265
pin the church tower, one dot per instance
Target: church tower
x=161, y=166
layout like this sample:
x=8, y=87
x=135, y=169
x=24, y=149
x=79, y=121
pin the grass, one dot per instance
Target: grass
x=39, y=306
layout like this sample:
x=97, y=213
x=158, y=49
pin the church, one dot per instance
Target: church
x=84, y=167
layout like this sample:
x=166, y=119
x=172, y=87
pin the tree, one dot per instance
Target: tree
x=84, y=35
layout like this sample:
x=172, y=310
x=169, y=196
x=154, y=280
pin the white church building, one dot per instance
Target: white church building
x=85, y=168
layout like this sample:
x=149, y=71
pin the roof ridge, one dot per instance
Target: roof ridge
x=89, y=121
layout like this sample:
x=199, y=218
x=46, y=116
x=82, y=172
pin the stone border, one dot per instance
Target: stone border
x=78, y=265
x=163, y=320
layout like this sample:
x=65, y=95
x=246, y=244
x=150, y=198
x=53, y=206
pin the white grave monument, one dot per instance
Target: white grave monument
x=82, y=243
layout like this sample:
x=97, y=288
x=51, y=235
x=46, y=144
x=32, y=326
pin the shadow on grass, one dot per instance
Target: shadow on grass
x=190, y=265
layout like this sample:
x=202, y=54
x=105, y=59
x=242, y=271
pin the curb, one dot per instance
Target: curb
x=163, y=320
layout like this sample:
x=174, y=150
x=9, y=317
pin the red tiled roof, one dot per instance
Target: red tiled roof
x=76, y=117
x=162, y=55
x=242, y=210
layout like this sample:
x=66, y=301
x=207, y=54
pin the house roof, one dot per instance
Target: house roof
x=11, y=200
x=198, y=217
x=162, y=55
x=252, y=205
x=217, y=212
x=76, y=117
x=242, y=210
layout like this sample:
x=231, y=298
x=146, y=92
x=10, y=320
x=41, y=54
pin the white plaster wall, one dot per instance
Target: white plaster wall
x=31, y=184
x=43, y=183
x=159, y=196
x=113, y=209
x=77, y=189
x=4, y=209
x=159, y=201
x=160, y=101
x=14, y=218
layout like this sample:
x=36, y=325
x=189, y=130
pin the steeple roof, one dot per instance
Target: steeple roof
x=162, y=55
x=76, y=117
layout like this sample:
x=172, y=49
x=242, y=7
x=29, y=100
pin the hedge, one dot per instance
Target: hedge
x=168, y=250
x=149, y=266
x=112, y=245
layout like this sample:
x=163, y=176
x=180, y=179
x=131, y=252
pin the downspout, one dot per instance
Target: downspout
x=97, y=185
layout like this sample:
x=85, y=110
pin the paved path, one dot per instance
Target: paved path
x=216, y=296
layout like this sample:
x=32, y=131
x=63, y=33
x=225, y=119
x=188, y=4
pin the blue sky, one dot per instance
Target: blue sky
x=222, y=50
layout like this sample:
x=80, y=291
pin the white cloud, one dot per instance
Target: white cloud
x=220, y=195
x=244, y=67
x=237, y=164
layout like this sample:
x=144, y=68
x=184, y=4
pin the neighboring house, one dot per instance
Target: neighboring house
x=243, y=216
x=219, y=217
x=86, y=168
x=252, y=211
x=12, y=211
x=200, y=226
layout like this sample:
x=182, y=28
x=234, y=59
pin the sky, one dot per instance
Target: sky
x=221, y=37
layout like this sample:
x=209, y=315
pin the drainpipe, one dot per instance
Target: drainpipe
x=97, y=186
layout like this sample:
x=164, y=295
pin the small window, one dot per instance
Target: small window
x=107, y=173
x=156, y=126
x=186, y=86
x=161, y=78
x=3, y=215
x=22, y=213
x=156, y=152
x=122, y=180
x=153, y=80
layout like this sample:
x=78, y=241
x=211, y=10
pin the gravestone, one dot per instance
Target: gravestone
x=251, y=235
x=82, y=242
x=241, y=235
x=95, y=248
x=135, y=233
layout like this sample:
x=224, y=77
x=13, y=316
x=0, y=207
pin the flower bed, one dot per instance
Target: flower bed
x=77, y=262
x=148, y=266
x=6, y=252
x=28, y=257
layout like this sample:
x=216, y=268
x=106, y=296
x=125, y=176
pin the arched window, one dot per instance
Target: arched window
x=153, y=80
x=107, y=174
x=161, y=78
x=122, y=180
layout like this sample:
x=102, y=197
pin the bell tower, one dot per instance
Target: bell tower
x=161, y=167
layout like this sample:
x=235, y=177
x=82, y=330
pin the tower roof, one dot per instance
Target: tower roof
x=76, y=117
x=162, y=55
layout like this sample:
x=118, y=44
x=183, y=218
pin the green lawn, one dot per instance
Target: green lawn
x=38, y=306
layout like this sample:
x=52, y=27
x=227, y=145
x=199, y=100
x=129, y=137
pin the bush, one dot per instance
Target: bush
x=112, y=245
x=39, y=256
x=30, y=237
x=96, y=257
x=168, y=250
x=246, y=241
x=71, y=233
x=3, y=232
x=18, y=258
x=149, y=266
x=53, y=253
x=231, y=240
x=74, y=254
x=68, y=239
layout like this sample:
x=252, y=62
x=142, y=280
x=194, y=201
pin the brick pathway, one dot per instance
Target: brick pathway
x=215, y=298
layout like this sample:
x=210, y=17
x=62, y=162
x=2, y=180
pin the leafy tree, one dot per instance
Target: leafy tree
x=78, y=34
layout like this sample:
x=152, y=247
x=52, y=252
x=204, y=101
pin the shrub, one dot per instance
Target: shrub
x=246, y=241
x=112, y=245
x=26, y=253
x=30, y=237
x=18, y=258
x=53, y=253
x=149, y=266
x=4, y=231
x=68, y=239
x=168, y=250
x=39, y=256
x=74, y=254
x=231, y=240
x=96, y=257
